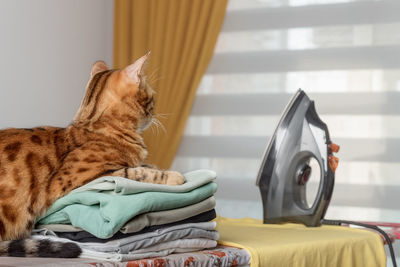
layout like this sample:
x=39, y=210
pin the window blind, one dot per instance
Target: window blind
x=346, y=55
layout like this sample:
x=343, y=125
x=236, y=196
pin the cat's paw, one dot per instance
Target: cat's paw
x=174, y=178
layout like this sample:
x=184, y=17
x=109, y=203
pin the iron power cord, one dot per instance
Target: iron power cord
x=376, y=228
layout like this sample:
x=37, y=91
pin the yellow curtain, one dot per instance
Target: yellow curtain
x=181, y=35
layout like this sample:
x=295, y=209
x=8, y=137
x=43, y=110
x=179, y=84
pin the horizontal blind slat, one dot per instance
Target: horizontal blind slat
x=383, y=103
x=352, y=149
x=367, y=195
x=347, y=58
x=313, y=15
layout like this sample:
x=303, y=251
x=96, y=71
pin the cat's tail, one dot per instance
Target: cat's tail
x=39, y=248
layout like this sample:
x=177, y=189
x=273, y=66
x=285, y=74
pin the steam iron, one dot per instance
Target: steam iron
x=300, y=137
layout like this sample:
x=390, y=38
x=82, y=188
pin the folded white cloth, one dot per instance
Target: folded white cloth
x=177, y=246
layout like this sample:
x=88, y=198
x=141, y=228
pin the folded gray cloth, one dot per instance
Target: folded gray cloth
x=84, y=236
x=204, y=230
x=179, y=245
x=147, y=219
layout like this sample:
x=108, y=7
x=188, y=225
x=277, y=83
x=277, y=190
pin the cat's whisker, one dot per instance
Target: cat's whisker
x=157, y=79
x=151, y=76
x=162, y=126
x=154, y=72
x=153, y=126
x=162, y=115
x=158, y=124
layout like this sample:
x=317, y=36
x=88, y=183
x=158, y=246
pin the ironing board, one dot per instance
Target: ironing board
x=298, y=245
x=268, y=245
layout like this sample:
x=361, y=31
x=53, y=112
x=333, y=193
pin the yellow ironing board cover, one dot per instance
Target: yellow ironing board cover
x=297, y=245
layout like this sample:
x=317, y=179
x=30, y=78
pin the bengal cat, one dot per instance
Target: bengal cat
x=40, y=165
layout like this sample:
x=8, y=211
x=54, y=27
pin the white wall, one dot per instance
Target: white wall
x=46, y=50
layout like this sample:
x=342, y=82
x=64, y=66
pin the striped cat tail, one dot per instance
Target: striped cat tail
x=39, y=248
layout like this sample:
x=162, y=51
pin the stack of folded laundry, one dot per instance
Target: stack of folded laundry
x=114, y=218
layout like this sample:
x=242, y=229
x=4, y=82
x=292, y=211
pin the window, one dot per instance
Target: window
x=346, y=56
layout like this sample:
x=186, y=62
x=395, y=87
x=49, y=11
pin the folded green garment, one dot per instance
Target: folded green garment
x=103, y=214
x=124, y=186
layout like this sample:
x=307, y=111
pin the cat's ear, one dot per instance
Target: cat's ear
x=134, y=70
x=97, y=67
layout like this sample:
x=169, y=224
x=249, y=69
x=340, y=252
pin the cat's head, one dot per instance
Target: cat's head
x=118, y=95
